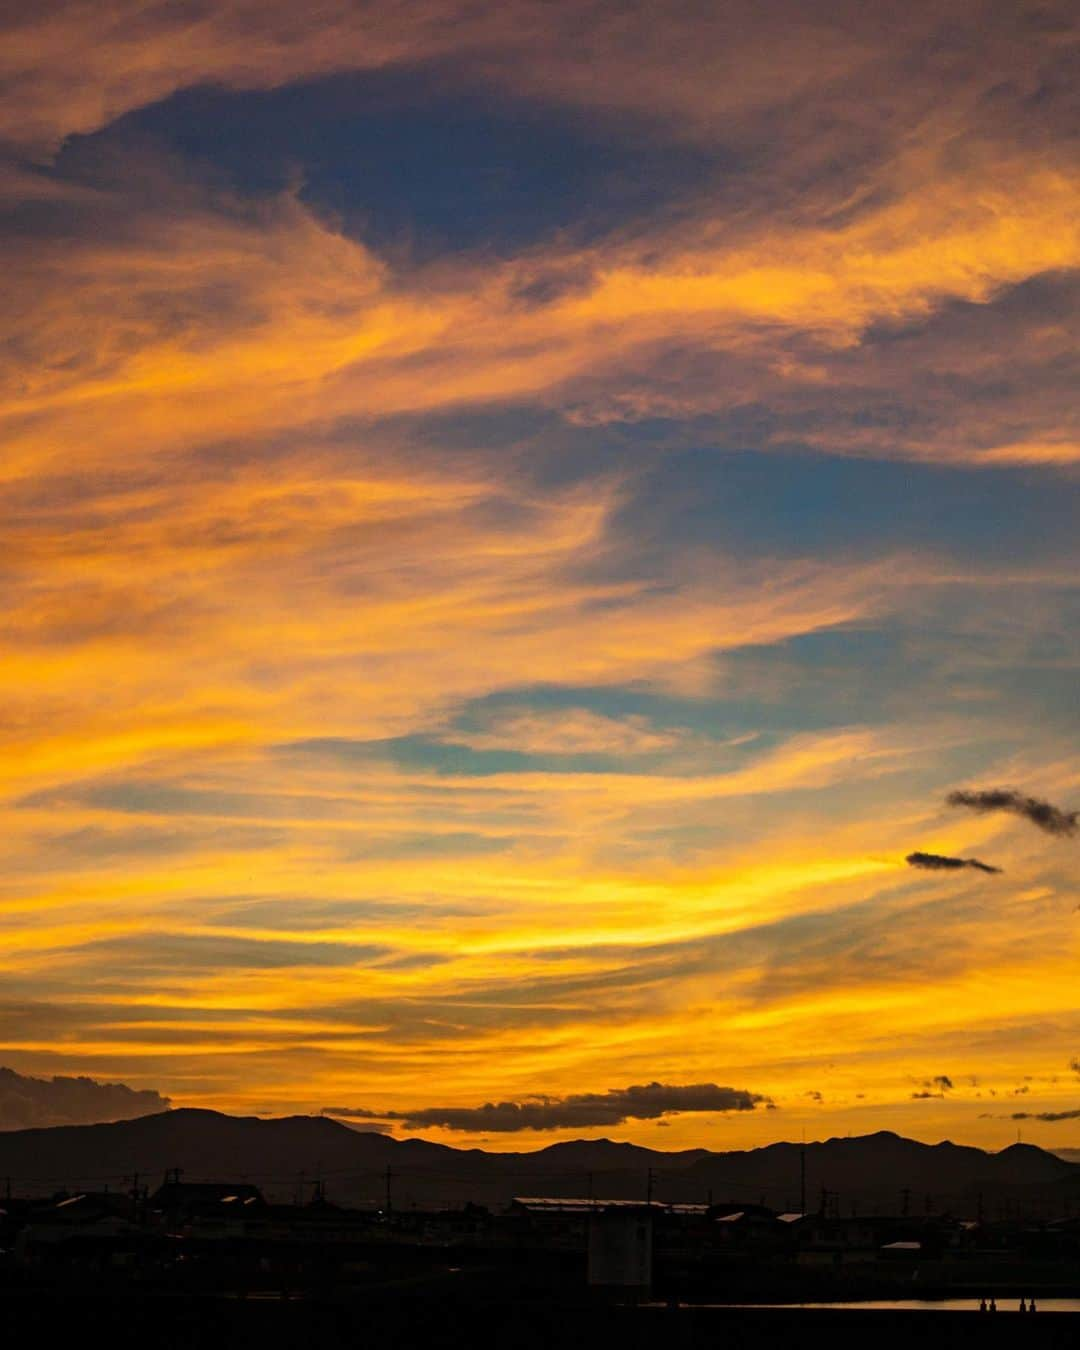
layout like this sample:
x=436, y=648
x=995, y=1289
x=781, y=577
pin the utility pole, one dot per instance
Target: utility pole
x=802, y=1179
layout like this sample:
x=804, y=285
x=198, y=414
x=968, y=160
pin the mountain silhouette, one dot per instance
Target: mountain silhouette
x=285, y=1155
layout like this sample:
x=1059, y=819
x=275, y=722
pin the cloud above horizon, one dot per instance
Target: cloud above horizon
x=35, y=1103
x=580, y=1110
x=1046, y=1115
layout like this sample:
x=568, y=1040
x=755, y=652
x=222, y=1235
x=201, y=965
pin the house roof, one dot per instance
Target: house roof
x=542, y=1204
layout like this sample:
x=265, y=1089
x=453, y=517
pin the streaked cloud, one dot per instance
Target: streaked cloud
x=573, y=731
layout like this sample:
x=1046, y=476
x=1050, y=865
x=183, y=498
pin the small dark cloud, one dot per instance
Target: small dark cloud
x=814, y=1096
x=1050, y=818
x=921, y=1096
x=583, y=1110
x=938, y=862
x=1045, y=1115
x=27, y=1103
x=942, y=1082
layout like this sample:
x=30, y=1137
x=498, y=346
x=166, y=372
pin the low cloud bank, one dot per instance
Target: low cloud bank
x=1045, y=1115
x=584, y=1110
x=26, y=1103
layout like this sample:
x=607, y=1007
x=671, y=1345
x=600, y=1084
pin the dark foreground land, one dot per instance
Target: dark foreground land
x=416, y=1321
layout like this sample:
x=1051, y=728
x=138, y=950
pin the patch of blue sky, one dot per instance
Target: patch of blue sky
x=782, y=505
x=404, y=160
x=720, y=482
x=457, y=760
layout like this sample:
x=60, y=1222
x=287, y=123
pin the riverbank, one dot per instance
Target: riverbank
x=428, y=1322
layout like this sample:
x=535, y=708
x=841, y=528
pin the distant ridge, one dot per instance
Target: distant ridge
x=285, y=1155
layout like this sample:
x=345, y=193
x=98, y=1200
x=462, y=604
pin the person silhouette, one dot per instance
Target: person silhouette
x=982, y=1305
x=1031, y=1306
x=993, y=1304
x=1023, y=1306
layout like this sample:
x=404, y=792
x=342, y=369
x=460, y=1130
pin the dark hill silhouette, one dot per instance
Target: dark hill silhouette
x=869, y=1172
x=873, y=1170
x=607, y=1155
x=204, y=1144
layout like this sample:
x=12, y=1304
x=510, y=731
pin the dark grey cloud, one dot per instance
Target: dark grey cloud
x=938, y=1086
x=584, y=1110
x=1046, y=1115
x=1051, y=819
x=938, y=862
x=31, y=1102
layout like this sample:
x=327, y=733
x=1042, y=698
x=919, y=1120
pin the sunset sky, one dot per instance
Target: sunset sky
x=515, y=517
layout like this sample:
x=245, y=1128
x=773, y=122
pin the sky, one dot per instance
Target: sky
x=515, y=520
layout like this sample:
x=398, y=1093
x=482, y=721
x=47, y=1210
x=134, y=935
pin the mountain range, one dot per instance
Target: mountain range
x=880, y=1172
